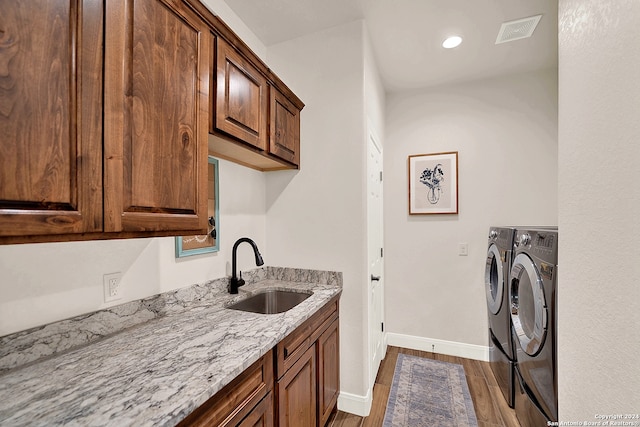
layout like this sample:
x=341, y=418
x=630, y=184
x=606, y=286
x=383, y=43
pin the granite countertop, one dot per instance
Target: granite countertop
x=157, y=372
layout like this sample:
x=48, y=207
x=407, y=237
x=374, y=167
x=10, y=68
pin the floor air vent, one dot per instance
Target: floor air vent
x=518, y=29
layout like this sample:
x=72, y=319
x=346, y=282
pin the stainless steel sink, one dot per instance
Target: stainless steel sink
x=270, y=301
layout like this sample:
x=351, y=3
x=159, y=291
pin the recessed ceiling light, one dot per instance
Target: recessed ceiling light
x=452, y=42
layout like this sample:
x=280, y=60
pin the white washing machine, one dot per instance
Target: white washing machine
x=532, y=294
x=496, y=279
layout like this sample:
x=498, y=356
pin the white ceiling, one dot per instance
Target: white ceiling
x=406, y=35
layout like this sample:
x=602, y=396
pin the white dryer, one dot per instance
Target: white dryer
x=532, y=294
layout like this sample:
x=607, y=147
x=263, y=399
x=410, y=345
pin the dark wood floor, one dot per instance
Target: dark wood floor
x=491, y=408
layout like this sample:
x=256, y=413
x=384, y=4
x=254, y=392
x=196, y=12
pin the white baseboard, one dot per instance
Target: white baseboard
x=452, y=348
x=355, y=404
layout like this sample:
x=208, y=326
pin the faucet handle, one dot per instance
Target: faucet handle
x=241, y=281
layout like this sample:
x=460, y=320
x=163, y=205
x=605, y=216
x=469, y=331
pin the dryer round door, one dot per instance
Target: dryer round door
x=494, y=279
x=528, y=304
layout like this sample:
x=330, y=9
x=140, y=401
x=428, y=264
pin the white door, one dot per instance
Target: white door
x=375, y=243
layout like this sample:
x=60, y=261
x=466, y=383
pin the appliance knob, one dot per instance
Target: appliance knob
x=493, y=234
x=525, y=239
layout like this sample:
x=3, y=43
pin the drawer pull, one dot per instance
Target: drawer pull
x=286, y=352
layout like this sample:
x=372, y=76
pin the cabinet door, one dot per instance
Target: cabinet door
x=241, y=97
x=284, y=135
x=50, y=117
x=156, y=107
x=328, y=372
x=297, y=392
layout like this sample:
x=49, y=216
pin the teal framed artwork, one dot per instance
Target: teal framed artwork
x=210, y=242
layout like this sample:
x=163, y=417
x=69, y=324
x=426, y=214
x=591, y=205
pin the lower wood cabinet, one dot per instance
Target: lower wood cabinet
x=328, y=372
x=307, y=370
x=261, y=415
x=248, y=397
x=308, y=391
x=296, y=392
x=294, y=385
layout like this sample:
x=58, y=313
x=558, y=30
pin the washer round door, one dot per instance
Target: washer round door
x=494, y=279
x=528, y=304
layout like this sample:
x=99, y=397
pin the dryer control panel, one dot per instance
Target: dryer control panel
x=540, y=243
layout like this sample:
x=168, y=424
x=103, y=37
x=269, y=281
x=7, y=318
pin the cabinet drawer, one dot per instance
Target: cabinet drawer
x=261, y=415
x=289, y=350
x=231, y=404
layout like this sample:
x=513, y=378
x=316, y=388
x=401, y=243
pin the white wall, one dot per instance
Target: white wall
x=233, y=21
x=43, y=283
x=374, y=93
x=599, y=209
x=505, y=132
x=316, y=216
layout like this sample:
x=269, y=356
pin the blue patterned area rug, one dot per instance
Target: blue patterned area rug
x=429, y=393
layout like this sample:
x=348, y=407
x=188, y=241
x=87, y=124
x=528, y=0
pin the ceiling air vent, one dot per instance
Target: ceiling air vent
x=518, y=29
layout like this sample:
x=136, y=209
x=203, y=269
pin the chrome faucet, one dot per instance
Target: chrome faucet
x=236, y=282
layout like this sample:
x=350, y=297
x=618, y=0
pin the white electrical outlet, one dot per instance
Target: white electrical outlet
x=463, y=249
x=112, y=291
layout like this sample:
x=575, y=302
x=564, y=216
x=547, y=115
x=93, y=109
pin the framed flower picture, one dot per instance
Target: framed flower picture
x=433, y=183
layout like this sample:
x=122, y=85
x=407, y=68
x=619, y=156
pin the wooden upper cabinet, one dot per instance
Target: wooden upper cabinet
x=105, y=111
x=242, y=97
x=50, y=117
x=284, y=129
x=156, y=116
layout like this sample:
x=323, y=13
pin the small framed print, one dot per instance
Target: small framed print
x=194, y=245
x=433, y=183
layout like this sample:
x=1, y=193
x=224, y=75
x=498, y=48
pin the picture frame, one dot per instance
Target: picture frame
x=205, y=243
x=433, y=183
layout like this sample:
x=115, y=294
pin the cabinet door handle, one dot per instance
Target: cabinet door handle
x=286, y=352
x=375, y=278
